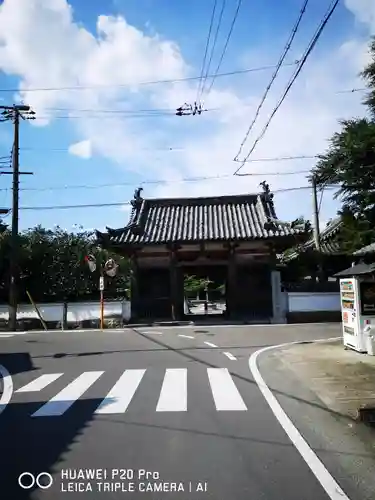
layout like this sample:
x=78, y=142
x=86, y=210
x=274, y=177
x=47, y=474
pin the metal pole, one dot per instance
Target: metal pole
x=14, y=272
x=101, y=298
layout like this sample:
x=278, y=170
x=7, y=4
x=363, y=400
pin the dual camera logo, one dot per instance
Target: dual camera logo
x=27, y=480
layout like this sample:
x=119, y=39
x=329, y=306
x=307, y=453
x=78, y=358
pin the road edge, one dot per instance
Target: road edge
x=326, y=480
x=7, y=393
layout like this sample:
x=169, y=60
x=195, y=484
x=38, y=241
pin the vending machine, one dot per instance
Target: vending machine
x=357, y=296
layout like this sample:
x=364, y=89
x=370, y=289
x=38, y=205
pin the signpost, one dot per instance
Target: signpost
x=110, y=268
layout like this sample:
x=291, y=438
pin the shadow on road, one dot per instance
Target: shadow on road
x=59, y=355
x=36, y=444
x=17, y=362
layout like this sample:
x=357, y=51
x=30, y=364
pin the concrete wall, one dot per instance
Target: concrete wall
x=77, y=313
x=310, y=307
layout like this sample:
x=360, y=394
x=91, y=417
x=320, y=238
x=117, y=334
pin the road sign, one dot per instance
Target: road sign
x=101, y=283
x=110, y=268
x=91, y=261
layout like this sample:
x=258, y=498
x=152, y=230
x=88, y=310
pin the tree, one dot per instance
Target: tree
x=369, y=76
x=349, y=163
x=52, y=266
x=192, y=284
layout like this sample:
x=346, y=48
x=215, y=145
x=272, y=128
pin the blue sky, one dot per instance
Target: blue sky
x=107, y=49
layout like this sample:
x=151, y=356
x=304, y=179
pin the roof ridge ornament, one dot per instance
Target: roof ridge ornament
x=137, y=200
x=267, y=191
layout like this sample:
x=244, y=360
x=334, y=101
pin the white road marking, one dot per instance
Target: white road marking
x=185, y=336
x=40, y=383
x=210, y=344
x=326, y=480
x=153, y=332
x=230, y=356
x=65, y=398
x=6, y=335
x=121, y=394
x=7, y=388
x=260, y=325
x=173, y=395
x=224, y=390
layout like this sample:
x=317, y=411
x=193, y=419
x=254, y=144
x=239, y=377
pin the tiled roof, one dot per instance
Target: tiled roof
x=328, y=245
x=240, y=217
x=365, y=250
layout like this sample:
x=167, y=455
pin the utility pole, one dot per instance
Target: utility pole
x=14, y=113
x=315, y=214
x=316, y=229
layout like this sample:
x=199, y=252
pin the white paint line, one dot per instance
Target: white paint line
x=7, y=388
x=224, y=390
x=230, y=356
x=5, y=336
x=173, y=395
x=152, y=332
x=40, y=383
x=65, y=398
x=260, y=325
x=327, y=481
x=210, y=344
x=121, y=394
x=58, y=330
x=185, y=336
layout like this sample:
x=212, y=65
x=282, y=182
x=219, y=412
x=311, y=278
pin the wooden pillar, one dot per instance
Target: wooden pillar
x=231, y=291
x=134, y=288
x=173, y=284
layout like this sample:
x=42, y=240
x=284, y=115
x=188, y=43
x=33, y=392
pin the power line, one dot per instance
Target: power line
x=206, y=51
x=65, y=150
x=126, y=203
x=213, y=46
x=155, y=181
x=346, y=91
x=135, y=114
x=225, y=47
x=307, y=53
x=149, y=82
x=274, y=76
x=279, y=158
x=114, y=111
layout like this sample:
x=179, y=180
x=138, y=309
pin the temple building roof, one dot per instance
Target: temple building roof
x=329, y=244
x=192, y=220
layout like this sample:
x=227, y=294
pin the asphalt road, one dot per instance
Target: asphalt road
x=150, y=408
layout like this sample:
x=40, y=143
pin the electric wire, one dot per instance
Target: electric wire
x=213, y=47
x=285, y=52
x=125, y=203
x=206, y=51
x=303, y=60
x=225, y=47
x=149, y=82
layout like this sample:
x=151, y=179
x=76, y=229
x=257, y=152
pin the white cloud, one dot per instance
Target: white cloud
x=82, y=149
x=42, y=43
x=364, y=11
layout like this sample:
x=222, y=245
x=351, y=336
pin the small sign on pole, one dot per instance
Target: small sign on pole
x=101, y=283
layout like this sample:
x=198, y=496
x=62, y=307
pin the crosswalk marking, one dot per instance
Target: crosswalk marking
x=65, y=398
x=119, y=397
x=224, y=390
x=40, y=383
x=173, y=395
